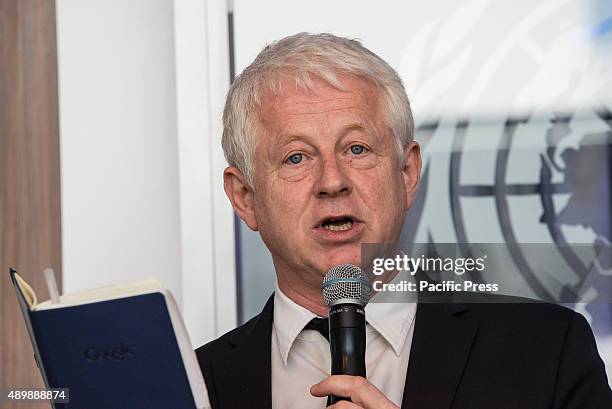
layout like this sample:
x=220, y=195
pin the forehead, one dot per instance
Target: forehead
x=293, y=103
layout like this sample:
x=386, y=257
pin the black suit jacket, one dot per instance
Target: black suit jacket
x=472, y=355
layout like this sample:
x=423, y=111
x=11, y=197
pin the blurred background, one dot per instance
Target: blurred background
x=112, y=166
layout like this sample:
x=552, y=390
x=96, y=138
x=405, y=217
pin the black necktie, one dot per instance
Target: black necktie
x=321, y=325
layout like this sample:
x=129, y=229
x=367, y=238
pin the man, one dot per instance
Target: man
x=318, y=133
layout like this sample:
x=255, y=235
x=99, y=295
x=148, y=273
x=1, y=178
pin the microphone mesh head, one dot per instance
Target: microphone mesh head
x=346, y=283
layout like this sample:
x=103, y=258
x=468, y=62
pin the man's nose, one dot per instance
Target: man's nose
x=332, y=180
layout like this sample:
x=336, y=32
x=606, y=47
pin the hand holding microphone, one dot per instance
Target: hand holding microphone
x=346, y=290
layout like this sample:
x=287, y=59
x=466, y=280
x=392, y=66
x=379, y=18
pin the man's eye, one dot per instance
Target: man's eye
x=357, y=149
x=295, y=158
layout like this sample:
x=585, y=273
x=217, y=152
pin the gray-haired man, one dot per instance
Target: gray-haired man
x=318, y=133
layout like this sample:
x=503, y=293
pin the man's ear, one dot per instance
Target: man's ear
x=411, y=171
x=241, y=195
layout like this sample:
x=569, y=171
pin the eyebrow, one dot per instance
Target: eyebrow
x=353, y=127
x=284, y=139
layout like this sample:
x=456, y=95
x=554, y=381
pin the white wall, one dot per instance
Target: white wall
x=118, y=142
x=140, y=183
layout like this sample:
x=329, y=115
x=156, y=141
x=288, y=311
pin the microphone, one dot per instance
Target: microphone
x=346, y=290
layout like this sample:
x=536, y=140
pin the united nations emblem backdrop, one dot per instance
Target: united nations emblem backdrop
x=513, y=108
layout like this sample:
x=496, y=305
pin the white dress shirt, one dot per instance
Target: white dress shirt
x=301, y=358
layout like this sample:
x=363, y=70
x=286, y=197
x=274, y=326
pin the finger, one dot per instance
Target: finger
x=345, y=404
x=338, y=385
x=358, y=389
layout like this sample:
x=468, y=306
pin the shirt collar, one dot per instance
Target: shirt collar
x=290, y=319
x=391, y=320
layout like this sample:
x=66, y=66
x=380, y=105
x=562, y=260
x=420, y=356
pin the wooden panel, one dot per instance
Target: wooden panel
x=30, y=175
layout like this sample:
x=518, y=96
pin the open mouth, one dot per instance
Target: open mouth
x=338, y=223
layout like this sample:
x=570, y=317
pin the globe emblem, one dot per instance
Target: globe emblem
x=570, y=191
x=541, y=177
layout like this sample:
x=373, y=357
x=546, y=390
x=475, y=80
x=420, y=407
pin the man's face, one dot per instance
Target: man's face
x=327, y=177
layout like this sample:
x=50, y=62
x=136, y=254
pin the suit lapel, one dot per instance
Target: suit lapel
x=243, y=377
x=443, y=337
x=441, y=344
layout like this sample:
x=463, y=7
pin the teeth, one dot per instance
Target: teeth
x=333, y=226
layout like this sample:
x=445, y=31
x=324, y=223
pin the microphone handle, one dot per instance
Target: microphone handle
x=347, y=342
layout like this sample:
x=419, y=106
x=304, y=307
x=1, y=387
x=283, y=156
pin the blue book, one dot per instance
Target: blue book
x=118, y=347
